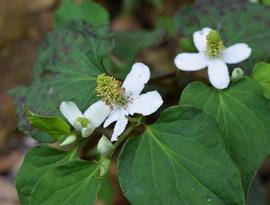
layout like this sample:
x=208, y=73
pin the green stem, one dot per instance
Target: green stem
x=125, y=134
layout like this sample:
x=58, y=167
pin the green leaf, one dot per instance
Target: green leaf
x=54, y=126
x=88, y=11
x=180, y=159
x=238, y=22
x=243, y=115
x=68, y=62
x=126, y=50
x=106, y=193
x=266, y=2
x=261, y=73
x=75, y=182
x=42, y=137
x=38, y=161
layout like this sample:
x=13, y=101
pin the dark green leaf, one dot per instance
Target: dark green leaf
x=69, y=60
x=261, y=73
x=88, y=11
x=38, y=161
x=238, y=22
x=243, y=115
x=181, y=159
x=54, y=126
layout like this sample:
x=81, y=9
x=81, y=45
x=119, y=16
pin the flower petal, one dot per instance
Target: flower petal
x=70, y=111
x=199, y=39
x=146, y=104
x=87, y=131
x=97, y=113
x=119, y=127
x=114, y=115
x=236, y=53
x=190, y=61
x=136, y=79
x=218, y=74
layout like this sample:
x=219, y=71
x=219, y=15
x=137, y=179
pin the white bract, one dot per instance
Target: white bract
x=126, y=99
x=214, y=55
x=85, y=123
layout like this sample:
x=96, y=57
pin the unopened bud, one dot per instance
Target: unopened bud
x=105, y=147
x=69, y=140
x=237, y=74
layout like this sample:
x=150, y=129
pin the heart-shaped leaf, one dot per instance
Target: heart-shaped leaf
x=75, y=182
x=180, y=159
x=69, y=60
x=243, y=114
x=38, y=161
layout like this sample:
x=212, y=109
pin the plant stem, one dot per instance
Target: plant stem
x=125, y=134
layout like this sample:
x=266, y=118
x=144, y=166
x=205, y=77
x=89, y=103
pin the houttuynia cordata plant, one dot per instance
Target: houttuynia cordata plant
x=93, y=104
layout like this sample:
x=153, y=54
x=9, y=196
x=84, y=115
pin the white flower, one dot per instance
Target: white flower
x=85, y=123
x=214, y=55
x=136, y=102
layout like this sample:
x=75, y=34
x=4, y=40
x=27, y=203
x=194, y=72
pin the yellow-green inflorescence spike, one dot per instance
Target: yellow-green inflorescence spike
x=111, y=91
x=214, y=44
x=84, y=121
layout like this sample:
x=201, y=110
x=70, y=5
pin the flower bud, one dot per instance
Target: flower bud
x=237, y=74
x=69, y=140
x=105, y=147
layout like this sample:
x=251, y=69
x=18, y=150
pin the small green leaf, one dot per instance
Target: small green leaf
x=181, y=159
x=243, y=115
x=88, y=11
x=75, y=182
x=54, y=126
x=261, y=73
x=38, y=161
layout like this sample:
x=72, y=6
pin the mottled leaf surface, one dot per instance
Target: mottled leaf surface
x=238, y=22
x=68, y=62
